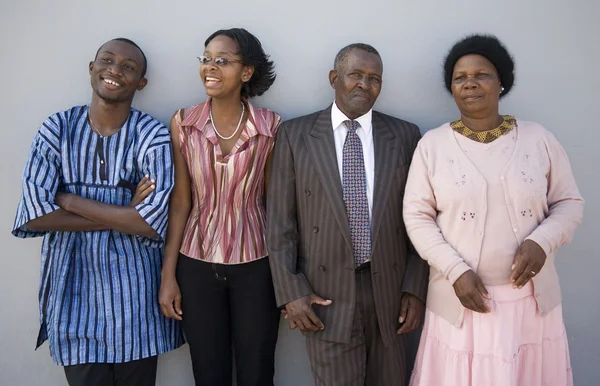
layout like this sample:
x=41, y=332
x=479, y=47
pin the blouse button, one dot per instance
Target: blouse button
x=316, y=229
x=322, y=268
x=502, y=177
x=307, y=192
x=101, y=161
x=515, y=230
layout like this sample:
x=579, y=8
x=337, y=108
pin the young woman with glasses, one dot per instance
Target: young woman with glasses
x=215, y=276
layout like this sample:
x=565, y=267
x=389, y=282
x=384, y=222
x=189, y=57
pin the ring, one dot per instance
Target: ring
x=533, y=273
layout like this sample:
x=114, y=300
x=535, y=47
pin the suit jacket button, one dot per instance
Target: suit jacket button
x=322, y=268
x=307, y=192
x=316, y=229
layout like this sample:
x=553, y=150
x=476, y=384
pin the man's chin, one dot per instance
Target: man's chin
x=362, y=110
x=110, y=99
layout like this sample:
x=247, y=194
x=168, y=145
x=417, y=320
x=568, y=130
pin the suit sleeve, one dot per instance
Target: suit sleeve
x=416, y=277
x=282, y=233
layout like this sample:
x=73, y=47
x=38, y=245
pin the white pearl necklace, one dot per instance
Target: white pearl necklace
x=236, y=129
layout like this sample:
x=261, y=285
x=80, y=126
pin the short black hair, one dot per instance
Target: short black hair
x=131, y=42
x=490, y=48
x=253, y=55
x=342, y=56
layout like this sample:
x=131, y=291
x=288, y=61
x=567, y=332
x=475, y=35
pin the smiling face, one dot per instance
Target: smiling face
x=116, y=72
x=222, y=81
x=357, y=82
x=476, y=86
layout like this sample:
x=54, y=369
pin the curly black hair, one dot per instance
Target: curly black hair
x=253, y=55
x=487, y=46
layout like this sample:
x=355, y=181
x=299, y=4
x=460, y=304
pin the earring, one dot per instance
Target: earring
x=501, y=90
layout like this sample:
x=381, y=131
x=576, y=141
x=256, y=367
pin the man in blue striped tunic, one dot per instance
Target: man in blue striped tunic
x=103, y=237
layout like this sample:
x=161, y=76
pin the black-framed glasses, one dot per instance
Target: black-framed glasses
x=219, y=61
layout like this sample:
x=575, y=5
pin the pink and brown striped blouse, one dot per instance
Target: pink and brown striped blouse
x=227, y=222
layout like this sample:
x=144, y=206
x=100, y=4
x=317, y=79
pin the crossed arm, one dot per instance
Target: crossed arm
x=83, y=214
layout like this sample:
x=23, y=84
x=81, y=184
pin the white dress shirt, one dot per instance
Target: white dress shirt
x=365, y=133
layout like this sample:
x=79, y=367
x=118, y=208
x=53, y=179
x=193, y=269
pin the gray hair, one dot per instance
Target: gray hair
x=342, y=57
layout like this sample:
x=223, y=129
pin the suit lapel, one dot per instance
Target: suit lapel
x=386, y=160
x=321, y=147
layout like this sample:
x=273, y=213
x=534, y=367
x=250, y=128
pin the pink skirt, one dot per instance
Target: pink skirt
x=513, y=345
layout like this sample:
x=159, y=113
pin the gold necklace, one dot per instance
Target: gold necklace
x=508, y=123
x=94, y=127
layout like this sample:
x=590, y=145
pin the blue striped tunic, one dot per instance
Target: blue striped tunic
x=99, y=290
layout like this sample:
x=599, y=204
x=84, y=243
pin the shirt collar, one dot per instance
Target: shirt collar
x=338, y=117
x=198, y=117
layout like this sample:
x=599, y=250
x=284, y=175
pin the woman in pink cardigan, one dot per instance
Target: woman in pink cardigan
x=488, y=202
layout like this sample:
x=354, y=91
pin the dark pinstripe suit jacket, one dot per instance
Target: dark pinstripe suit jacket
x=309, y=241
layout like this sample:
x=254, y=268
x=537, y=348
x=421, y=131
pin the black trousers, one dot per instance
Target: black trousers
x=135, y=373
x=229, y=307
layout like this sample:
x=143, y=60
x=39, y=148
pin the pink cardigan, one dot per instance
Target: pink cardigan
x=443, y=184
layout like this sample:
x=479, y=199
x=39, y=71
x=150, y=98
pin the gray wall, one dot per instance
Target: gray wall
x=46, y=46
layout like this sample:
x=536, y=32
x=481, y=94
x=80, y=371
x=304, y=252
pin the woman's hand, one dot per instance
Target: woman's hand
x=471, y=292
x=529, y=260
x=169, y=298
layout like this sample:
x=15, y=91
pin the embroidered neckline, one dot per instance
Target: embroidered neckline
x=508, y=123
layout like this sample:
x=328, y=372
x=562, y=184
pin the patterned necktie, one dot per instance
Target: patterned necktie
x=354, y=183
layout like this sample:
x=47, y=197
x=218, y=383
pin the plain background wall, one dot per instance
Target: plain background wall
x=45, y=47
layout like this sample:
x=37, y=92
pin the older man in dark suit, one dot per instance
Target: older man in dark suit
x=342, y=264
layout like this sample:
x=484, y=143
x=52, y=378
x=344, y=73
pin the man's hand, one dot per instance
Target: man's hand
x=143, y=190
x=529, y=260
x=470, y=291
x=301, y=315
x=411, y=313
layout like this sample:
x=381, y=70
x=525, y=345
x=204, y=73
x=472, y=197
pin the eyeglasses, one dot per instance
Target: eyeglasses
x=219, y=61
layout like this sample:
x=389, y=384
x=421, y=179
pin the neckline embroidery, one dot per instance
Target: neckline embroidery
x=508, y=123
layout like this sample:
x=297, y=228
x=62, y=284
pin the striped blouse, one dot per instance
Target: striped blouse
x=227, y=222
x=98, y=291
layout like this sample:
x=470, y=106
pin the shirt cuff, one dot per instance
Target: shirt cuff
x=540, y=240
x=457, y=272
